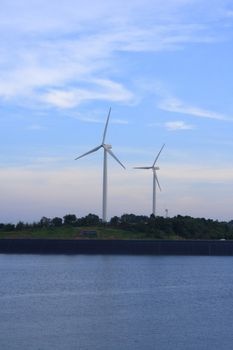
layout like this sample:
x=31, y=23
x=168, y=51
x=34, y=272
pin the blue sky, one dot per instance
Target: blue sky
x=165, y=68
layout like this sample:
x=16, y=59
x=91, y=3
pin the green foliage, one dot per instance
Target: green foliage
x=20, y=226
x=57, y=222
x=70, y=219
x=89, y=220
x=128, y=226
x=9, y=227
x=184, y=227
x=45, y=222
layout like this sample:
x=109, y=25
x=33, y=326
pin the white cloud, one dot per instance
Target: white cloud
x=35, y=127
x=178, y=125
x=191, y=173
x=35, y=16
x=173, y=125
x=47, y=50
x=177, y=106
x=120, y=121
x=102, y=121
x=228, y=13
x=165, y=37
x=91, y=120
x=103, y=90
x=65, y=99
x=28, y=194
x=46, y=160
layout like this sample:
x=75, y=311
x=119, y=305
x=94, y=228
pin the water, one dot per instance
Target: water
x=115, y=302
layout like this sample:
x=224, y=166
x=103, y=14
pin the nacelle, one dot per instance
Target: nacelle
x=108, y=146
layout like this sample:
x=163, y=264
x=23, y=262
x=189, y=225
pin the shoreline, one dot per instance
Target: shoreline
x=121, y=247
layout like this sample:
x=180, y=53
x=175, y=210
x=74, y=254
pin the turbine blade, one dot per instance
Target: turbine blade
x=91, y=151
x=142, y=167
x=158, y=154
x=106, y=126
x=157, y=181
x=113, y=155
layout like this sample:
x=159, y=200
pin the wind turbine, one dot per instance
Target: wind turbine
x=107, y=150
x=155, y=179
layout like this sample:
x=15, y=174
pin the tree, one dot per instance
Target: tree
x=2, y=226
x=70, y=219
x=92, y=219
x=115, y=221
x=57, y=221
x=19, y=226
x=45, y=222
x=9, y=227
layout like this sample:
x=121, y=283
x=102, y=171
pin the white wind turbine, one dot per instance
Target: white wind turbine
x=107, y=150
x=155, y=179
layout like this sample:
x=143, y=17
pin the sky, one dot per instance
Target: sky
x=165, y=69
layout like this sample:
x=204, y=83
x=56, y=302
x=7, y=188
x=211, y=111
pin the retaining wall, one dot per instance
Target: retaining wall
x=92, y=246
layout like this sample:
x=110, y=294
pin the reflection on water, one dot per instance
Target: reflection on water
x=115, y=302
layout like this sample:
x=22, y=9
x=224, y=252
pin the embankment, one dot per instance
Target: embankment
x=132, y=247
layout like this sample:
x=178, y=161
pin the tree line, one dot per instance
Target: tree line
x=185, y=227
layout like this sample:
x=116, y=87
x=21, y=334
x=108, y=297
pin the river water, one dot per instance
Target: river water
x=115, y=302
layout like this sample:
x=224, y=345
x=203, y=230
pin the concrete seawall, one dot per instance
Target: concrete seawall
x=132, y=247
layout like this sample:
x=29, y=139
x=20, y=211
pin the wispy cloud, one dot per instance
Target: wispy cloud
x=177, y=106
x=178, y=125
x=35, y=127
x=102, y=121
x=55, y=55
x=91, y=120
x=173, y=125
x=103, y=90
x=120, y=121
x=165, y=37
x=229, y=13
x=198, y=173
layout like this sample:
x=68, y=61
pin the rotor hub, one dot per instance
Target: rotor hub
x=107, y=146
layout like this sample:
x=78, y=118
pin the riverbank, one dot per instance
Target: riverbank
x=130, y=247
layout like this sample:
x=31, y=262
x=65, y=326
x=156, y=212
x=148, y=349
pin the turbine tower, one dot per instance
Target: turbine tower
x=155, y=179
x=107, y=150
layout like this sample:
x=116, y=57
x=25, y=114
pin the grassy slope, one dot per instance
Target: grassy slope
x=74, y=233
x=71, y=233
